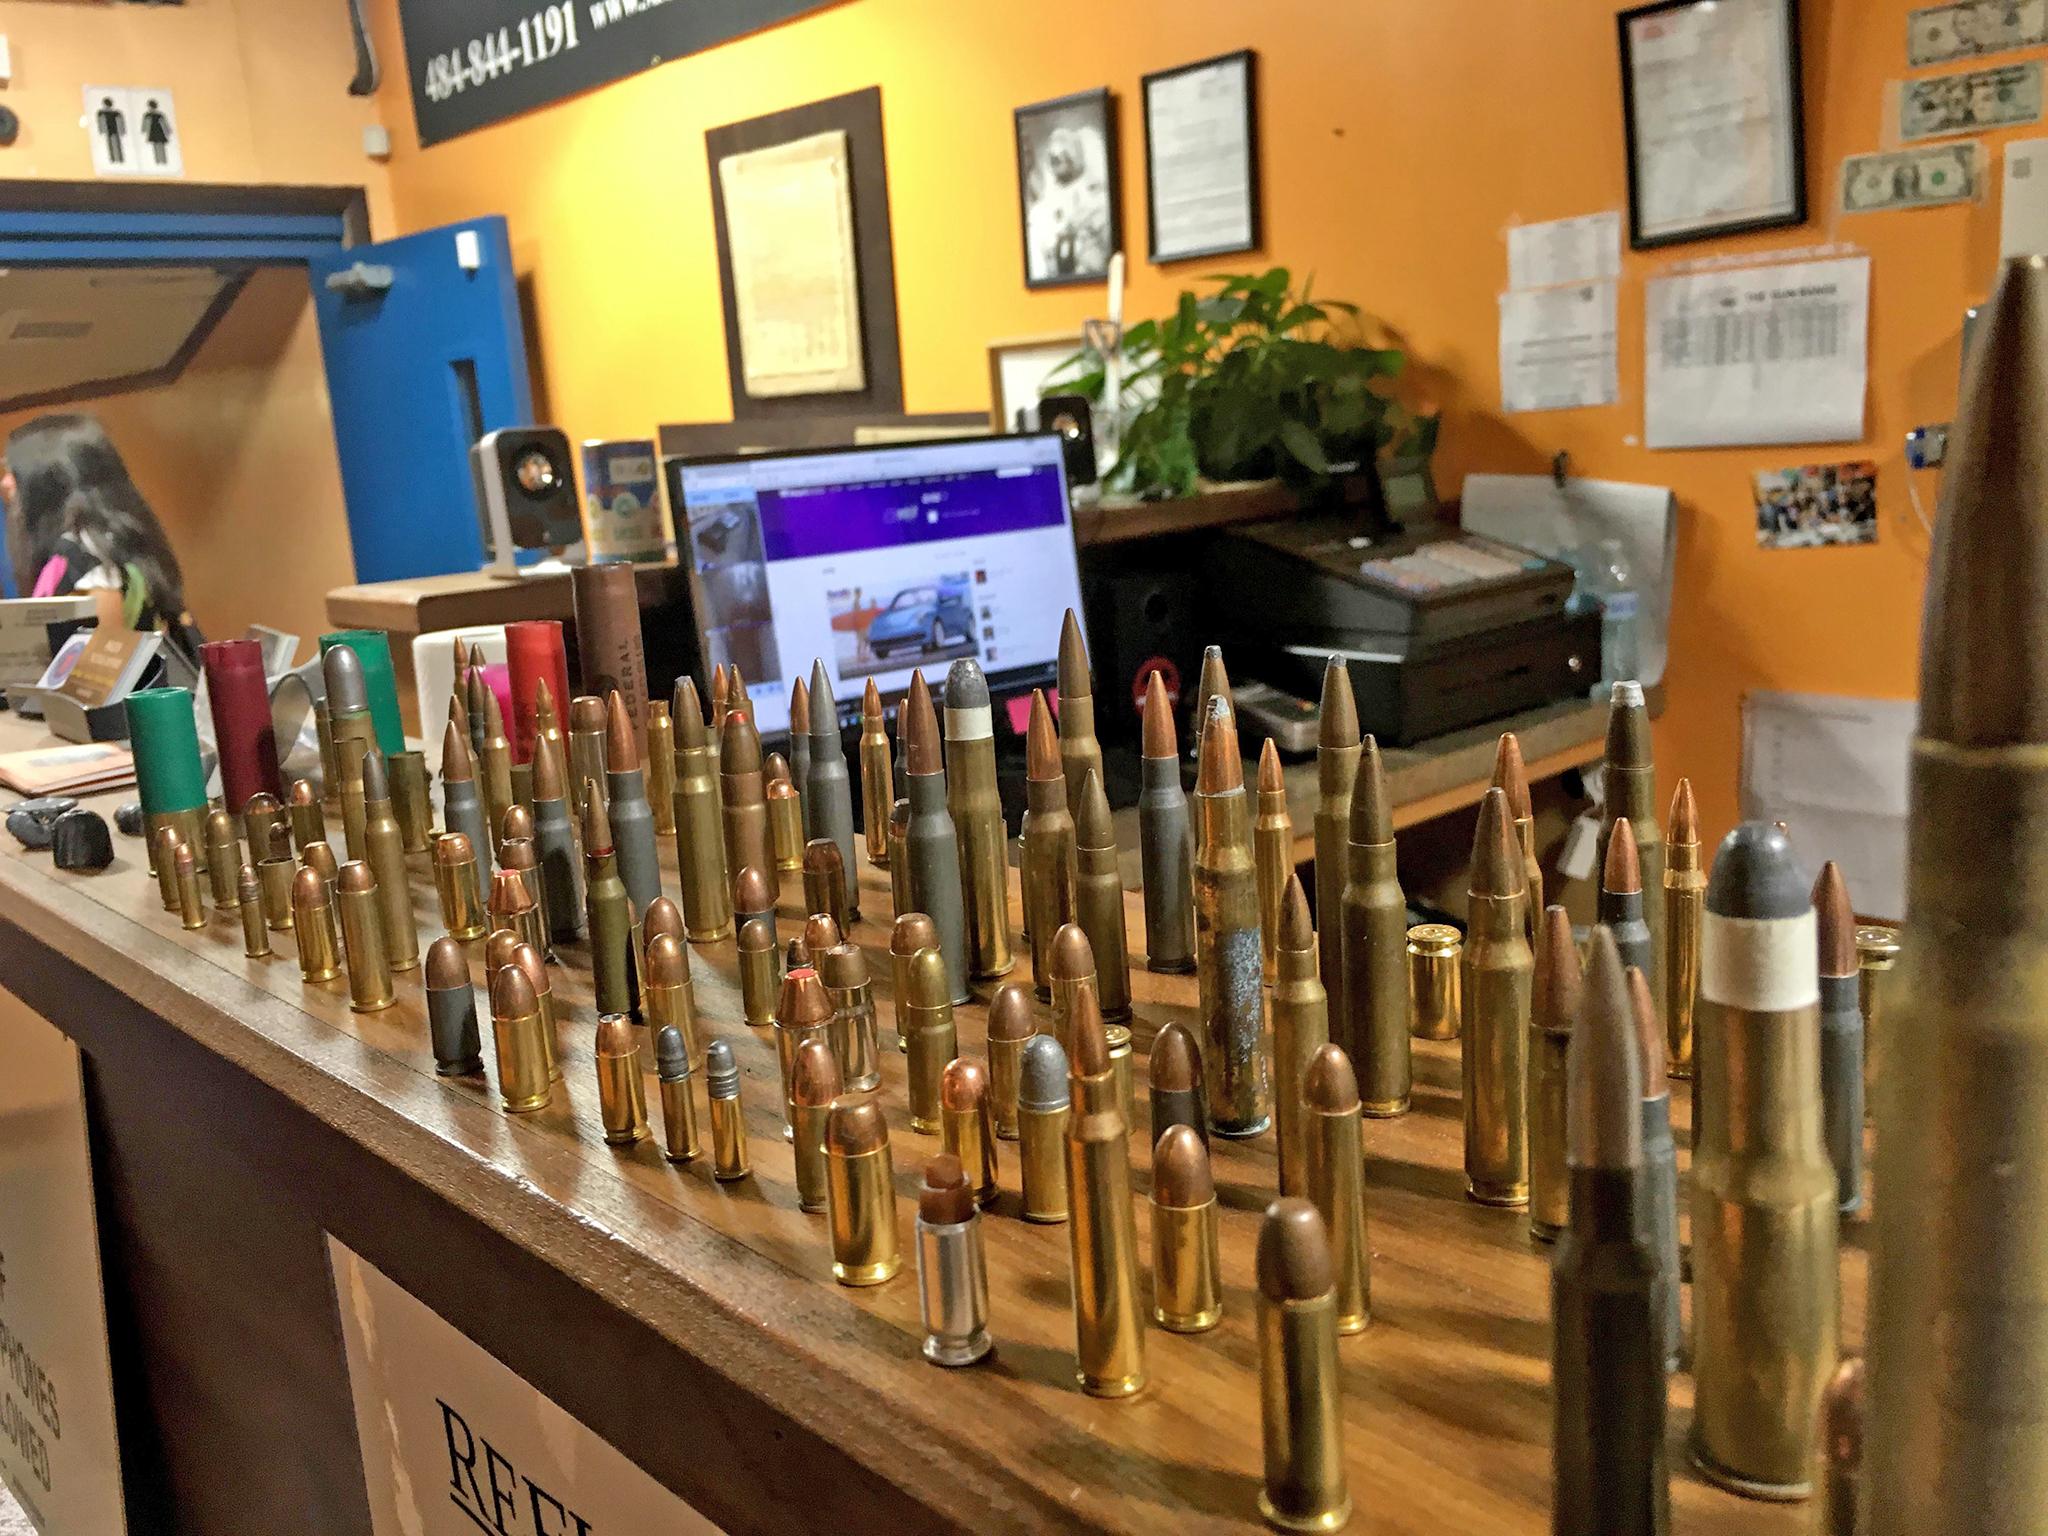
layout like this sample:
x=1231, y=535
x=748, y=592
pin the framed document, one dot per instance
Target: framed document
x=1067, y=189
x=1712, y=110
x=1202, y=159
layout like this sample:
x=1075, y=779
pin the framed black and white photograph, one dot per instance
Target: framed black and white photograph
x=1067, y=189
x=1712, y=110
x=1202, y=158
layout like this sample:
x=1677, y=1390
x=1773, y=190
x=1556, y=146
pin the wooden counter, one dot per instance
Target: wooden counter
x=238, y=1116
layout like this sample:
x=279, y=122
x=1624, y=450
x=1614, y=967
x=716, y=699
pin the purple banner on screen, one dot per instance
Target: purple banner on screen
x=831, y=520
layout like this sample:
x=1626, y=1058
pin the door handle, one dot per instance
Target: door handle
x=360, y=280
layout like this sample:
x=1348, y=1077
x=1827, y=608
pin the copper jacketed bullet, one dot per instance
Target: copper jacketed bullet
x=1621, y=904
x=855, y=1040
x=744, y=794
x=924, y=1014
x=1512, y=780
x=675, y=1072
x=661, y=766
x=518, y=855
x=1109, y=1325
x=813, y=1086
x=877, y=779
x=1049, y=866
x=754, y=895
x=785, y=817
x=700, y=833
x=455, y=883
x=621, y=1092
x=911, y=932
x=1494, y=1040
x=223, y=859
x=1212, y=683
x=729, y=1160
x=1373, y=923
x=1228, y=976
x=1072, y=963
x=1685, y=894
x=1166, y=840
x=1631, y=790
x=511, y=906
x=1841, y=1036
x=588, y=745
x=760, y=971
x=952, y=1273
x=1301, y=1026
x=1300, y=1393
x=1839, y=1485
x=1012, y=1022
x=249, y=902
x=822, y=888
x=362, y=934
x=827, y=786
x=313, y=925
x=861, y=1190
x=802, y=1013
x=1175, y=1092
x=1272, y=851
x=265, y=827
x=667, y=994
x=978, y=824
x=554, y=843
x=384, y=852
x=967, y=1124
x=1338, y=749
x=462, y=807
x=930, y=841
x=1553, y=1010
x=608, y=912
x=519, y=1038
x=1044, y=1104
x=191, y=899
x=1333, y=1143
x=451, y=1010
x=1657, y=1186
x=1187, y=1286
x=308, y=817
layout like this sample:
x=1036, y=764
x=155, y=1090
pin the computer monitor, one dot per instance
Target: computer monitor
x=881, y=560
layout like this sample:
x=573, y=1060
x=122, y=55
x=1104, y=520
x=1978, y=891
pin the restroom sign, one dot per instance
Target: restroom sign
x=133, y=130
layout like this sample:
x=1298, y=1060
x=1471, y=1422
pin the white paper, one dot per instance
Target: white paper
x=1196, y=138
x=1751, y=355
x=1833, y=769
x=1582, y=250
x=2023, y=204
x=1557, y=348
x=1531, y=511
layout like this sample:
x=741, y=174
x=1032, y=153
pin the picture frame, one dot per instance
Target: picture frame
x=1683, y=184
x=1202, y=185
x=1069, y=188
x=1016, y=369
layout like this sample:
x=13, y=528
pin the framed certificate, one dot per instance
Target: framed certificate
x=1712, y=109
x=1202, y=159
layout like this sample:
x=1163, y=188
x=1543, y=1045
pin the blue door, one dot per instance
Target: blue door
x=425, y=353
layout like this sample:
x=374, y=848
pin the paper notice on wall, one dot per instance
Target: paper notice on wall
x=1559, y=251
x=1775, y=354
x=1833, y=769
x=1557, y=348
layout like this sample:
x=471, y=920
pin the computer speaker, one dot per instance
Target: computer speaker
x=525, y=492
x=1069, y=416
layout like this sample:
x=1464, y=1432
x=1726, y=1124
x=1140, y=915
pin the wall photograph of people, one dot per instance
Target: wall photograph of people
x=1816, y=504
x=1067, y=186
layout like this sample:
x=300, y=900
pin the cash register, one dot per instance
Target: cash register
x=1440, y=628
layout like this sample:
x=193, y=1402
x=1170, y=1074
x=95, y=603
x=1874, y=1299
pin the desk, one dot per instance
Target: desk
x=239, y=1116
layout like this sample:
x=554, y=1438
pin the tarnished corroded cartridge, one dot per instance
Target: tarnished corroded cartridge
x=307, y=816
x=1166, y=840
x=191, y=899
x=512, y=908
x=520, y=1041
x=249, y=901
x=828, y=788
x=1840, y=1481
x=924, y=1015
x=822, y=883
x=1049, y=867
x=1553, y=1011
x=223, y=860
x=1300, y=1392
x=1338, y=749
x=1187, y=1285
x=931, y=843
x=1109, y=1322
x=1511, y=778
x=554, y=843
x=802, y=1013
x=861, y=1193
x=275, y=877
x=855, y=1041
x=384, y=852
x=1630, y=783
x=911, y=932
x=1044, y=1103
x=313, y=925
x=462, y=807
x=1099, y=899
x=743, y=795
x=455, y=883
x=668, y=995
x=1301, y=1027
x=410, y=799
x=1175, y=1070
x=632, y=819
x=785, y=817
x=1657, y=1186
x=1763, y=1191
x=362, y=934
x=1434, y=950
x=1228, y=978
x=1841, y=1037
x=1272, y=852
x=1011, y=1024
x=967, y=1127
x=451, y=1010
x=978, y=824
x=672, y=1068
x=700, y=833
x=729, y=1160
x=1071, y=961
x=621, y=1095
x=1333, y=1143
x=608, y=912
x=1685, y=894
x=265, y=827
x=813, y=1086
x=587, y=749
x=760, y=971
x=661, y=766
x=1497, y=980
x=952, y=1274
x=1373, y=922
x=877, y=776
x=1877, y=952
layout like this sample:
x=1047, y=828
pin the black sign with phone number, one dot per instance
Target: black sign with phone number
x=474, y=62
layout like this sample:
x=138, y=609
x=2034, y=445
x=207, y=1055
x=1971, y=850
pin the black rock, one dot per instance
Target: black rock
x=31, y=820
x=82, y=842
x=128, y=818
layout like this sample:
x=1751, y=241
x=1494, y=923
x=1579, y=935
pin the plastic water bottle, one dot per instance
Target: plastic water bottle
x=1620, y=617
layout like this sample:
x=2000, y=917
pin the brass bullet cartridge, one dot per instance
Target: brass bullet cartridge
x=952, y=1272
x=330, y=772
x=1301, y=1028
x=729, y=1161
x=362, y=937
x=856, y=1045
x=384, y=852
x=1512, y=779
x=823, y=887
x=518, y=855
x=1044, y=1103
x=588, y=748
x=275, y=877
x=661, y=766
x=321, y=857
x=308, y=818
x=721, y=695
x=494, y=765
x=1120, y=1062
x=635, y=846
x=1877, y=952
x=1080, y=752
x=313, y=925
x=1631, y=791
x=820, y=932
x=967, y=1127
x=1338, y=749
x=354, y=732
x=249, y=901
x=411, y=802
x=814, y=1084
x=861, y=1193
x=498, y=951
x=828, y=788
x=1763, y=1190
x=1109, y=1325
x=924, y=1015
x=1494, y=1040
x=455, y=883
x=165, y=844
x=1373, y=924
x=754, y=895
x=785, y=817
x=223, y=859
x=1175, y=1095
x=1841, y=1036
x=1553, y=1011
x=554, y=842
x=1071, y=963
x=911, y=932
x=621, y=1095
x=1300, y=1392
x=700, y=834
x=1213, y=683
x=1607, y=1339
x=1272, y=852
x=451, y=1010
x=744, y=796
x=877, y=777
x=803, y=1012
x=458, y=708
x=1166, y=840
x=930, y=843
x=520, y=1039
x=800, y=748
x=900, y=899
x=669, y=996
x=462, y=807
x=1657, y=1188
x=1049, y=865
x=760, y=971
x=1187, y=1285
x=1434, y=951
x=1099, y=899
x=1228, y=977
x=1621, y=905
x=662, y=916
x=191, y=899
x=1685, y=894
x=1333, y=1155
x=474, y=689
x=1840, y=1482
x=607, y=911
x=1011, y=1024
x=679, y=1142
x=511, y=907
x=266, y=827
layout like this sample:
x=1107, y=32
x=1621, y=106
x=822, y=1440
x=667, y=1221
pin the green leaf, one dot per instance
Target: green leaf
x=1301, y=442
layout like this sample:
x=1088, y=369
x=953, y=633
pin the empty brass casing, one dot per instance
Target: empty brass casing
x=362, y=933
x=1434, y=952
x=621, y=1093
x=1187, y=1286
x=275, y=877
x=1877, y=951
x=223, y=859
x=1119, y=1038
x=1109, y=1322
x=456, y=884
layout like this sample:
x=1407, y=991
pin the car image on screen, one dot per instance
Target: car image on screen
x=921, y=618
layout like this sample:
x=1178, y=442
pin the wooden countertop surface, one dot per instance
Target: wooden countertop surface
x=1447, y=1403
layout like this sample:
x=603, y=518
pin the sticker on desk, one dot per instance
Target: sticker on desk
x=455, y=1443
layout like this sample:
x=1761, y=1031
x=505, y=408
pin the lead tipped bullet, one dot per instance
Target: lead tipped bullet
x=1214, y=683
x=1044, y=1102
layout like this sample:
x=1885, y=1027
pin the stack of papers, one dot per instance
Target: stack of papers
x=63, y=769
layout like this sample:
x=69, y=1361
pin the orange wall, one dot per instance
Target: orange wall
x=1399, y=139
